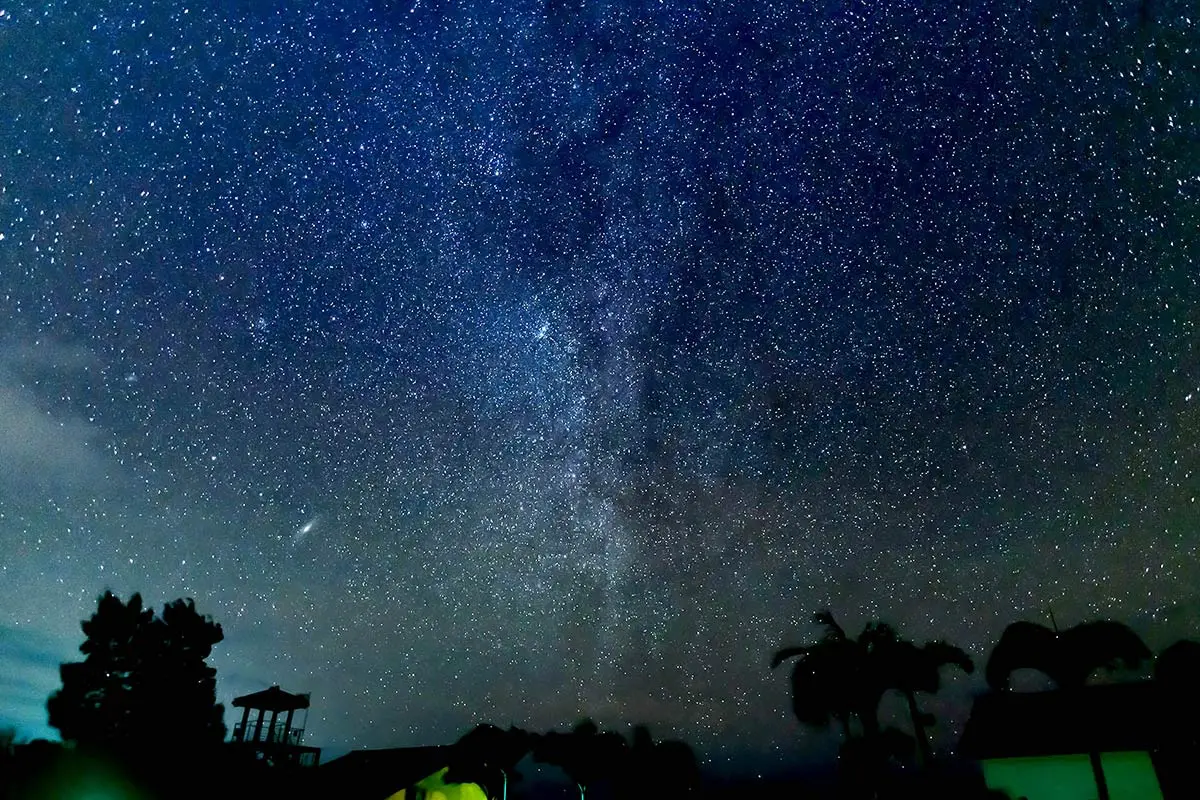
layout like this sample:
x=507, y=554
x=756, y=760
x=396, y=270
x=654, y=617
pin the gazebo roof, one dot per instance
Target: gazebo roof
x=273, y=699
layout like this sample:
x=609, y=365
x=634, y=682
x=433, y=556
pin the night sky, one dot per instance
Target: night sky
x=521, y=361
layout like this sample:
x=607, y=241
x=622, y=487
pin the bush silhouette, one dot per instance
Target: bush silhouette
x=488, y=756
x=586, y=754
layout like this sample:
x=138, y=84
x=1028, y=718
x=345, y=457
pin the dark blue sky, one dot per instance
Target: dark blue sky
x=524, y=361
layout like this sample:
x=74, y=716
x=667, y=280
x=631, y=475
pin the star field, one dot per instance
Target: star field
x=522, y=361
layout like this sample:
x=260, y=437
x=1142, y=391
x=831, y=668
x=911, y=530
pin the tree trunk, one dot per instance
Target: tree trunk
x=924, y=752
x=1098, y=774
x=504, y=790
x=875, y=762
x=870, y=726
x=583, y=791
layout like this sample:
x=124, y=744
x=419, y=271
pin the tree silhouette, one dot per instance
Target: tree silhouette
x=1178, y=666
x=665, y=768
x=585, y=754
x=904, y=667
x=841, y=678
x=1068, y=657
x=488, y=756
x=828, y=678
x=834, y=679
x=1177, y=675
x=143, y=678
x=8, y=750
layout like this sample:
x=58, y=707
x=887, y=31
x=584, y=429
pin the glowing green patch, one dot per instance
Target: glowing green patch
x=1130, y=776
x=75, y=777
x=1042, y=778
x=435, y=788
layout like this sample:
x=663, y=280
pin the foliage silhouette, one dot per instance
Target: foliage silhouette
x=1177, y=672
x=8, y=751
x=488, y=756
x=143, y=679
x=828, y=678
x=665, y=768
x=841, y=678
x=1067, y=657
x=1178, y=666
x=863, y=760
x=586, y=754
x=904, y=667
x=1177, y=676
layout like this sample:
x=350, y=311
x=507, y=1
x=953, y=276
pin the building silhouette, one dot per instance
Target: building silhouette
x=275, y=740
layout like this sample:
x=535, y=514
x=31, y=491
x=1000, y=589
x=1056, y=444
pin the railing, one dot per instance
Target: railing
x=294, y=736
x=268, y=735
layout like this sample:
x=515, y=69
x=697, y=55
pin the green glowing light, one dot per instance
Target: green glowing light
x=435, y=788
x=1130, y=776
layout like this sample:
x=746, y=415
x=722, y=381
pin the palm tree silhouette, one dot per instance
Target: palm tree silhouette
x=1067, y=657
x=904, y=667
x=840, y=678
x=828, y=678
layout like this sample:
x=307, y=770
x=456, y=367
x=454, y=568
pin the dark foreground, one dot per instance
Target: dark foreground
x=42, y=770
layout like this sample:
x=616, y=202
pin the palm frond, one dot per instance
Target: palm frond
x=943, y=653
x=825, y=619
x=1105, y=644
x=786, y=653
x=1022, y=645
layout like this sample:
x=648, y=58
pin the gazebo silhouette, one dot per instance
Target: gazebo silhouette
x=276, y=741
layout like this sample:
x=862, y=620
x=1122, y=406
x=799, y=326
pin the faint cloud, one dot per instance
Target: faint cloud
x=29, y=662
x=35, y=443
x=47, y=356
x=40, y=445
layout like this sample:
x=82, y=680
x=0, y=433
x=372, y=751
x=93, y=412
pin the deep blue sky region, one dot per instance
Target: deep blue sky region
x=521, y=361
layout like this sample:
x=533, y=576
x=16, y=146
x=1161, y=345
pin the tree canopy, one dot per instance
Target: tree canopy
x=1068, y=657
x=841, y=677
x=143, y=678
